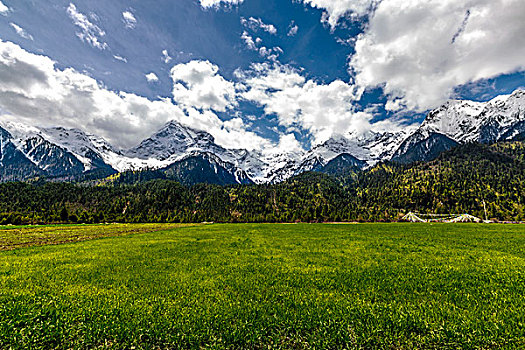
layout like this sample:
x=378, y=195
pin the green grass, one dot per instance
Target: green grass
x=385, y=286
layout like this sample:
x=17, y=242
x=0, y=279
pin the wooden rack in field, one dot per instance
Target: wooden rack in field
x=449, y=218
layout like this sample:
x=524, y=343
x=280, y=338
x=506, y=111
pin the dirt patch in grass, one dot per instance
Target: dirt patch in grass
x=22, y=237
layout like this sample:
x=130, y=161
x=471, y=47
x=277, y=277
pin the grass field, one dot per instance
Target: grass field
x=384, y=286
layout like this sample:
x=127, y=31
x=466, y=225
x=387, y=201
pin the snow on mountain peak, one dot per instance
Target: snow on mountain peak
x=465, y=121
x=19, y=131
x=172, y=138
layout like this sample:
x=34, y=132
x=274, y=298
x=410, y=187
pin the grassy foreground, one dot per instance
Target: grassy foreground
x=391, y=286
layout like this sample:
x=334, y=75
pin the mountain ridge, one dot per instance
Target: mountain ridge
x=57, y=152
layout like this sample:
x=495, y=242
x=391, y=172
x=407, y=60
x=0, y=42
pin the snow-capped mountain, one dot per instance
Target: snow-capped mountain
x=467, y=121
x=172, y=140
x=14, y=165
x=457, y=122
x=91, y=150
x=35, y=155
x=190, y=155
x=368, y=148
x=59, y=152
x=54, y=160
x=279, y=165
x=175, y=142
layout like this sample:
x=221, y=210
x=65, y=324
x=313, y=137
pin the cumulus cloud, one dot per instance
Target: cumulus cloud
x=292, y=29
x=3, y=9
x=217, y=3
x=256, y=45
x=271, y=54
x=256, y=24
x=199, y=85
x=152, y=77
x=420, y=51
x=129, y=19
x=336, y=9
x=34, y=91
x=288, y=144
x=166, y=56
x=248, y=40
x=21, y=31
x=232, y=134
x=89, y=32
x=321, y=109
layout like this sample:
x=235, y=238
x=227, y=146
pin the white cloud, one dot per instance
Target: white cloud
x=248, y=40
x=420, y=51
x=288, y=144
x=232, y=134
x=152, y=77
x=21, y=31
x=292, y=29
x=321, y=109
x=198, y=84
x=89, y=32
x=217, y=3
x=271, y=54
x=35, y=92
x=120, y=58
x=166, y=57
x=251, y=44
x=256, y=23
x=336, y=9
x=264, y=51
x=3, y=9
x=129, y=19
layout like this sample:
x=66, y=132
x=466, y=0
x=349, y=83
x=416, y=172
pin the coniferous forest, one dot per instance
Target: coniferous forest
x=471, y=178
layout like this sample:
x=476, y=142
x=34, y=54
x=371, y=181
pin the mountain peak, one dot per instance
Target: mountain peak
x=178, y=130
x=172, y=139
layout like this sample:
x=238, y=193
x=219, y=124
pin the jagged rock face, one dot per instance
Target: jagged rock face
x=418, y=148
x=14, y=165
x=456, y=119
x=53, y=160
x=53, y=153
x=27, y=152
x=175, y=143
x=205, y=168
x=69, y=153
x=485, y=122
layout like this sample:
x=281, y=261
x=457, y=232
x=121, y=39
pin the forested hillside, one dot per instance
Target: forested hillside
x=458, y=181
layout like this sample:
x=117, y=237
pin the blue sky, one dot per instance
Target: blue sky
x=284, y=73
x=185, y=29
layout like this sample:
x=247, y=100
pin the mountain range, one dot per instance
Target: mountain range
x=191, y=156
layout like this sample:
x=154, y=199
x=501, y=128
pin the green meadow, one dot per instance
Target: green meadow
x=263, y=286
